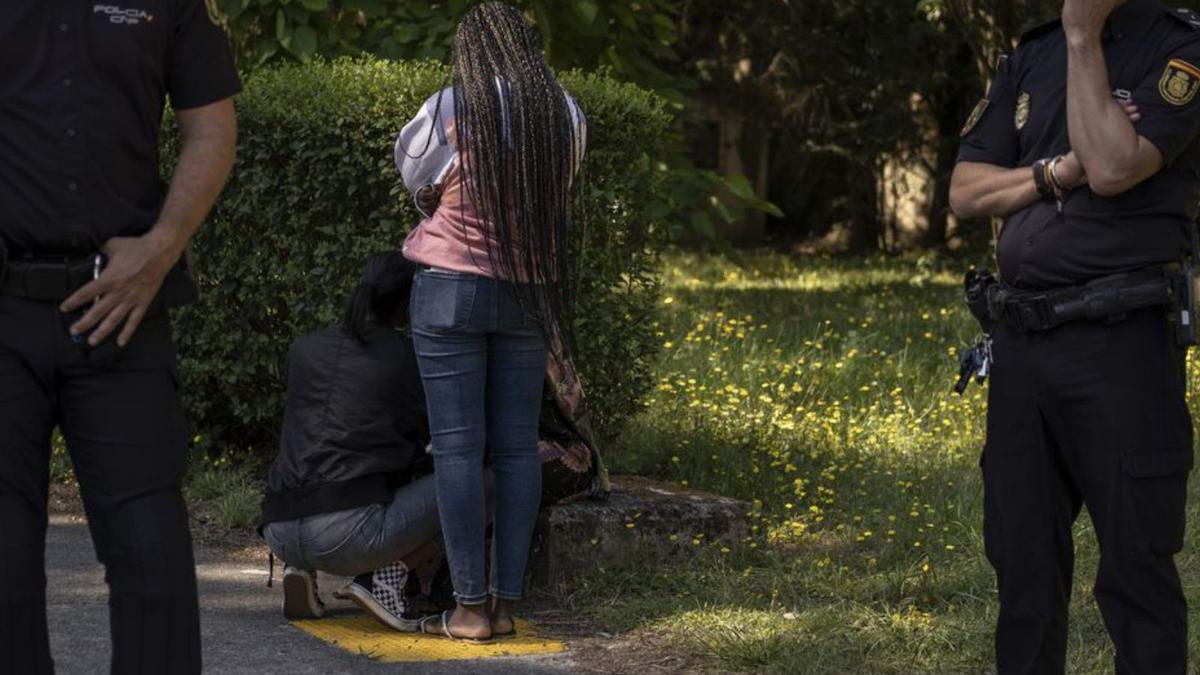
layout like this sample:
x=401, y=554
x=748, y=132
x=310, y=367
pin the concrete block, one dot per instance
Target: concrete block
x=643, y=522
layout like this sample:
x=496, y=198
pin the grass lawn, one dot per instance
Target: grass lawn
x=820, y=390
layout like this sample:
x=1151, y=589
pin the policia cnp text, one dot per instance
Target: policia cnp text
x=89, y=248
x=1087, y=145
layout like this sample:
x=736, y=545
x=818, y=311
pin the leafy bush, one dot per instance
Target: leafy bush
x=315, y=193
x=224, y=495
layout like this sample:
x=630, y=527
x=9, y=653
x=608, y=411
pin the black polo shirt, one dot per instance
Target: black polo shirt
x=1153, y=57
x=82, y=89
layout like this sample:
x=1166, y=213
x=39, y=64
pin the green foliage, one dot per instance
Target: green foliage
x=817, y=102
x=224, y=495
x=630, y=40
x=315, y=192
x=631, y=37
x=62, y=471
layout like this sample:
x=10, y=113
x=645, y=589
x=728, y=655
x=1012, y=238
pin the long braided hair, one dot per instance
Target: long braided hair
x=516, y=134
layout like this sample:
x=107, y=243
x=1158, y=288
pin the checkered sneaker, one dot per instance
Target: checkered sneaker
x=387, y=585
x=381, y=594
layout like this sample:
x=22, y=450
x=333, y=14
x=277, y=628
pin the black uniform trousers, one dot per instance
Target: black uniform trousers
x=121, y=417
x=1088, y=414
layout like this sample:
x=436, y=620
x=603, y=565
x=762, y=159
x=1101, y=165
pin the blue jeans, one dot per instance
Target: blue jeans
x=483, y=362
x=356, y=541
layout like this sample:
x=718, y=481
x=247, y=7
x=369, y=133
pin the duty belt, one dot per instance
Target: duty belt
x=1107, y=298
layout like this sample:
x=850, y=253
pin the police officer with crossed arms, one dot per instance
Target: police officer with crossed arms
x=90, y=249
x=1087, y=146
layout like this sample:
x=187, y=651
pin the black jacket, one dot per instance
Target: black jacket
x=355, y=426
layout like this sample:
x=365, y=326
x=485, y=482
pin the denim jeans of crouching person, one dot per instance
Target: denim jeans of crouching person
x=357, y=541
x=483, y=362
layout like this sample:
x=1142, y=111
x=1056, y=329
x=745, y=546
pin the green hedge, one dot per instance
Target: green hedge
x=315, y=193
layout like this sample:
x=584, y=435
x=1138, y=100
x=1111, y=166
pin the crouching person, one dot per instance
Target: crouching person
x=351, y=492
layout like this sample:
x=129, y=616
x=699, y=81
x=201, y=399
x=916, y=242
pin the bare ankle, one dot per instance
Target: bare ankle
x=472, y=621
x=502, y=621
x=479, y=611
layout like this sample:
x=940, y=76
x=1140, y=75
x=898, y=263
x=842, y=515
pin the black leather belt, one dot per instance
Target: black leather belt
x=54, y=277
x=47, y=278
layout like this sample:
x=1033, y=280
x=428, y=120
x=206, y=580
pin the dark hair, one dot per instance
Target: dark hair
x=381, y=294
x=516, y=132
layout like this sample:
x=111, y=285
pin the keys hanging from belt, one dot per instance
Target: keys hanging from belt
x=974, y=363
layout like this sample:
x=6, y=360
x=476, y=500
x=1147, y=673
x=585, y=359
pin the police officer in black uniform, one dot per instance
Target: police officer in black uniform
x=90, y=248
x=1087, y=145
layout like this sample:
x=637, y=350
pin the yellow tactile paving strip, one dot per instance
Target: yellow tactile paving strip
x=363, y=635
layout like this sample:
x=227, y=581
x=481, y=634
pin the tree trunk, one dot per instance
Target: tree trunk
x=863, y=211
x=939, y=202
x=729, y=161
x=735, y=135
x=760, y=158
x=949, y=112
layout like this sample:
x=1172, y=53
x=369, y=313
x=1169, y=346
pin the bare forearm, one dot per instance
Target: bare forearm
x=121, y=296
x=984, y=190
x=1114, y=156
x=1102, y=134
x=205, y=160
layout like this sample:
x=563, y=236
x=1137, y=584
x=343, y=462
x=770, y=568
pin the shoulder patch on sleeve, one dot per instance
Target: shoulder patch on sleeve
x=1188, y=16
x=1180, y=82
x=976, y=115
x=1003, y=67
x=1039, y=30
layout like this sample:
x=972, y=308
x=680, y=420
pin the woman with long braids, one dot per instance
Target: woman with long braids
x=501, y=147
